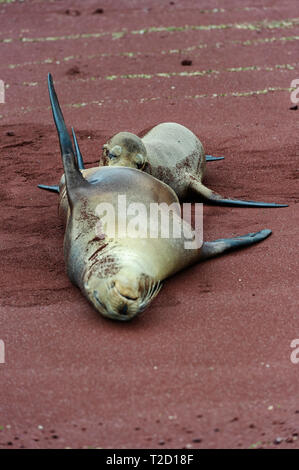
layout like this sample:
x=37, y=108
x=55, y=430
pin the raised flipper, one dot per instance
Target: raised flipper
x=213, y=198
x=80, y=163
x=53, y=189
x=210, y=158
x=217, y=247
x=79, y=157
x=73, y=175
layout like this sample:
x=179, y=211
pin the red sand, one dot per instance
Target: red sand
x=210, y=359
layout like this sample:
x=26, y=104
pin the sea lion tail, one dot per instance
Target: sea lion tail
x=73, y=175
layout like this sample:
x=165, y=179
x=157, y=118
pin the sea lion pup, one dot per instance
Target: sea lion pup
x=120, y=276
x=174, y=155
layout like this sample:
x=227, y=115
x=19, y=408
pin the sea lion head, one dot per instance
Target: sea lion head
x=119, y=294
x=125, y=149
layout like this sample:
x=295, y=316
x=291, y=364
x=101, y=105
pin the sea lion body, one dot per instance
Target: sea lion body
x=174, y=154
x=121, y=275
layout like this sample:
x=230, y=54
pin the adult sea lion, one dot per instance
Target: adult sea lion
x=120, y=276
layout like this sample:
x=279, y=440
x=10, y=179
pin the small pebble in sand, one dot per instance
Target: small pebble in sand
x=73, y=70
x=278, y=440
x=72, y=12
x=186, y=62
x=98, y=11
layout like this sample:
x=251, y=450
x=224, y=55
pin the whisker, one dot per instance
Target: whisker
x=152, y=292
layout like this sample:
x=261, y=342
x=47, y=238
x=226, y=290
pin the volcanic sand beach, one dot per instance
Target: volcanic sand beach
x=208, y=364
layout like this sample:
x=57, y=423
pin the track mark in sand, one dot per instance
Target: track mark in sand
x=18, y=144
x=192, y=73
x=237, y=94
x=255, y=26
x=196, y=73
x=132, y=54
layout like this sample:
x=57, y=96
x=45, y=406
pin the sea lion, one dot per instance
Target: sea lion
x=120, y=276
x=173, y=154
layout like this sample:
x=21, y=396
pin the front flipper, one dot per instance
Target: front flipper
x=52, y=189
x=217, y=247
x=210, y=158
x=213, y=198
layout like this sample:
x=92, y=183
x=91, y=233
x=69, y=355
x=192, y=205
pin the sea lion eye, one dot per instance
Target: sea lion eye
x=139, y=160
x=116, y=151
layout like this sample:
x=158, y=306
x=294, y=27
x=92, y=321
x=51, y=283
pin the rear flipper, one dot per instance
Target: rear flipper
x=217, y=247
x=79, y=157
x=210, y=158
x=73, y=176
x=62, y=131
x=213, y=198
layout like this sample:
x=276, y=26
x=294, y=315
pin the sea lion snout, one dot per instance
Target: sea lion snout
x=122, y=296
x=126, y=290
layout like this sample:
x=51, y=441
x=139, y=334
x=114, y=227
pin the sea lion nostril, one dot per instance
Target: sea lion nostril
x=129, y=298
x=123, y=310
